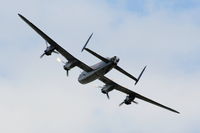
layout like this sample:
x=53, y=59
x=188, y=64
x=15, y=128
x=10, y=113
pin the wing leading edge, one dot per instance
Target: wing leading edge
x=61, y=50
x=132, y=93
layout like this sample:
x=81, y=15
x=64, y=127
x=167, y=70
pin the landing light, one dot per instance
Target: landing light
x=58, y=59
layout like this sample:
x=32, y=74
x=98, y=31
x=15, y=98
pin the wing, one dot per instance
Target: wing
x=61, y=50
x=129, y=92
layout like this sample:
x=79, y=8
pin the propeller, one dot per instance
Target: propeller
x=124, y=102
x=67, y=72
x=48, y=50
x=45, y=50
x=121, y=103
x=135, y=102
x=107, y=95
x=42, y=55
x=61, y=61
x=104, y=92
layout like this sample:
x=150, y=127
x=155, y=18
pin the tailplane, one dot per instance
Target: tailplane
x=140, y=75
x=107, y=60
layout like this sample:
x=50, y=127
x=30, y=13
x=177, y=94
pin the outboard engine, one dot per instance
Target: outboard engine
x=69, y=65
x=129, y=99
x=49, y=50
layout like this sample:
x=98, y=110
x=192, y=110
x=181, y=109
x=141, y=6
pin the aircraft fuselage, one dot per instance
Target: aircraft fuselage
x=100, y=69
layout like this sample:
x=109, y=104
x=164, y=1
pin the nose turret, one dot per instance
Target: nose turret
x=115, y=59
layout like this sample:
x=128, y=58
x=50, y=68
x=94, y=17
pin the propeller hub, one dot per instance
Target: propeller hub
x=128, y=100
x=66, y=68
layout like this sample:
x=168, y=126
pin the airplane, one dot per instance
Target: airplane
x=97, y=71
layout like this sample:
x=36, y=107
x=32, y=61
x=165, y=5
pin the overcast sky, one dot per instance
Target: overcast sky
x=36, y=95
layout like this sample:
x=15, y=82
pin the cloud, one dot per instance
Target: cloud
x=36, y=95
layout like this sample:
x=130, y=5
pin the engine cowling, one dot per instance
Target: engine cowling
x=49, y=50
x=106, y=89
x=129, y=99
x=69, y=65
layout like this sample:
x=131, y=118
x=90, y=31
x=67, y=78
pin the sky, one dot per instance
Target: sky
x=36, y=95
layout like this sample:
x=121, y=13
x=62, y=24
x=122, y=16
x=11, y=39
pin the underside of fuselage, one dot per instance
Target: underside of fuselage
x=100, y=69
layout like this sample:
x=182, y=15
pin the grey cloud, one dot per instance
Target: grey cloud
x=38, y=97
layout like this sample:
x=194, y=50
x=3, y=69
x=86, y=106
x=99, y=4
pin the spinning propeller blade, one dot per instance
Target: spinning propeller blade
x=135, y=102
x=46, y=48
x=61, y=61
x=67, y=72
x=42, y=55
x=107, y=95
x=121, y=103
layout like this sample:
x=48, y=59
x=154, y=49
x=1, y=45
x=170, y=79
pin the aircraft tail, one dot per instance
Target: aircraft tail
x=107, y=60
x=84, y=47
x=140, y=75
x=92, y=52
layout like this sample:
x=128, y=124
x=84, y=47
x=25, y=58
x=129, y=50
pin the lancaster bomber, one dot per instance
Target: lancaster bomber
x=97, y=71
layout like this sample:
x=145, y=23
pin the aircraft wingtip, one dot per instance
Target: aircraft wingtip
x=178, y=112
x=20, y=15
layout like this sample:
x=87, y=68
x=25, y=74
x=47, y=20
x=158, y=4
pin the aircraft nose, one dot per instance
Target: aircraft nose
x=117, y=59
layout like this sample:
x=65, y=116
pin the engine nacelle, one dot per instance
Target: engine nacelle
x=49, y=50
x=69, y=65
x=107, y=88
x=129, y=99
